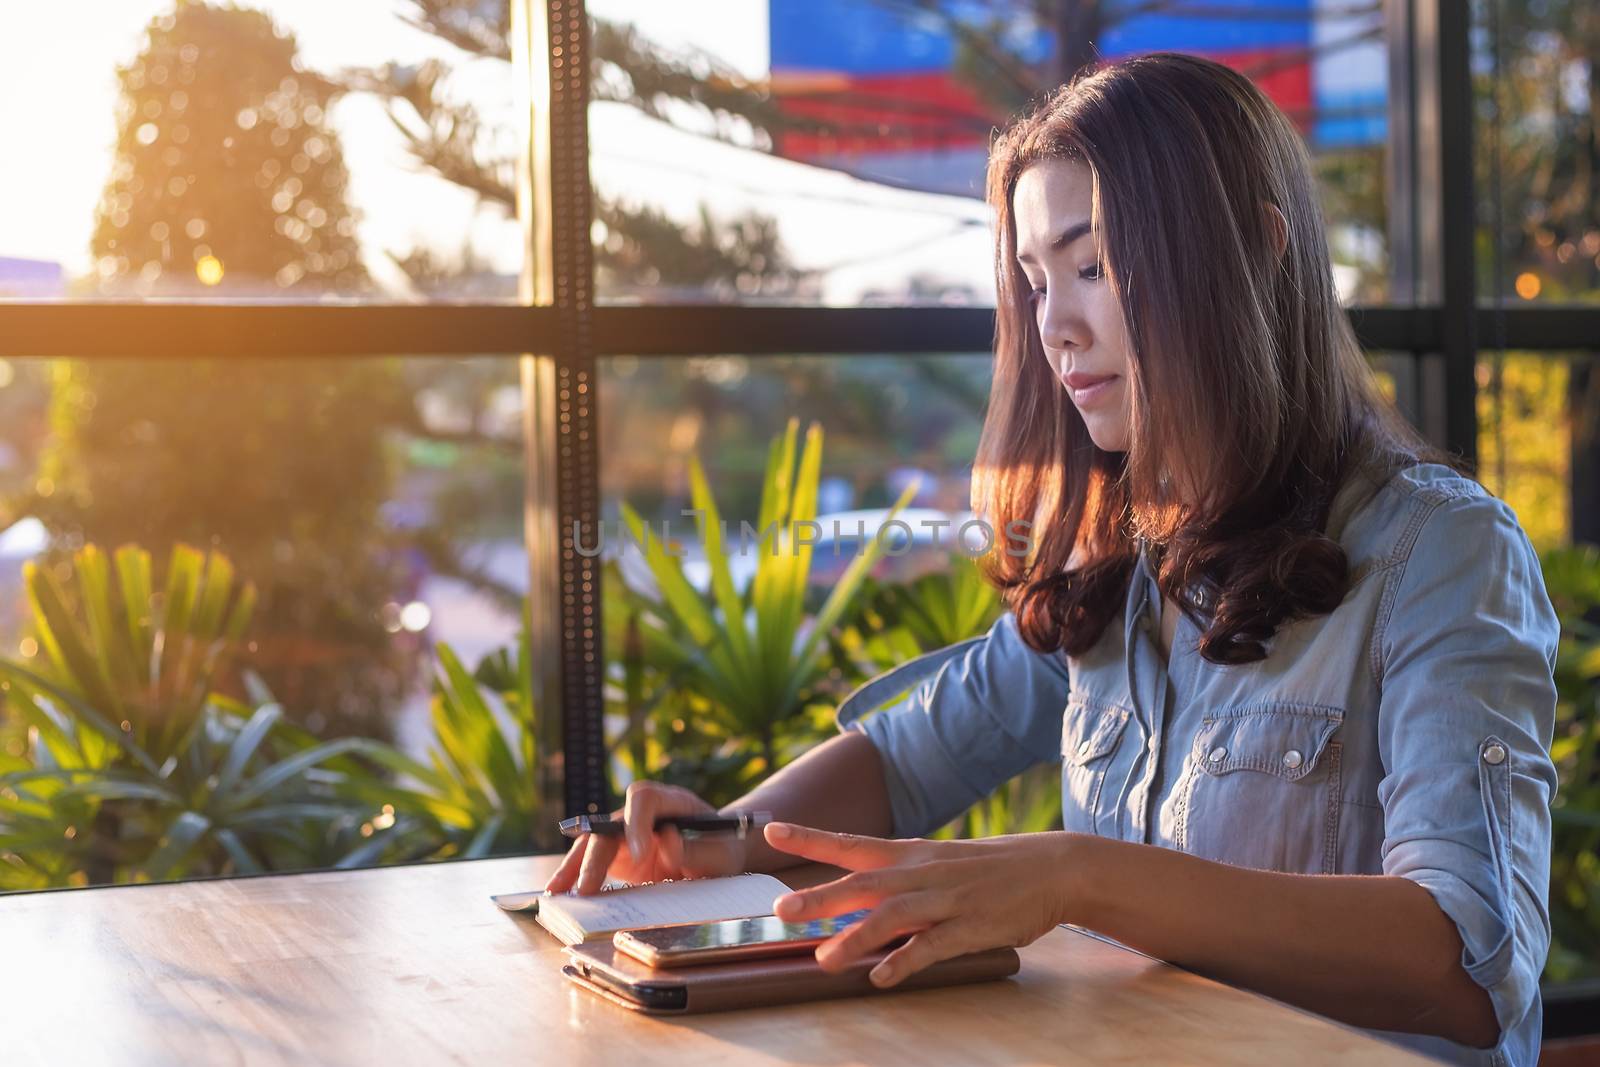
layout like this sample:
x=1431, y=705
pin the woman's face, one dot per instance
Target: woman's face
x=1079, y=320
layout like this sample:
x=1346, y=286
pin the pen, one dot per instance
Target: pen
x=740, y=822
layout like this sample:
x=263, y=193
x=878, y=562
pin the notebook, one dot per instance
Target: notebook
x=575, y=919
x=601, y=969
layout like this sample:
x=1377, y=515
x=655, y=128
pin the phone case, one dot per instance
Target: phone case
x=770, y=980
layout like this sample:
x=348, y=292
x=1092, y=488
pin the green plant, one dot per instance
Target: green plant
x=1028, y=803
x=146, y=661
x=945, y=607
x=746, y=664
x=898, y=621
x=133, y=768
x=1572, y=577
x=478, y=792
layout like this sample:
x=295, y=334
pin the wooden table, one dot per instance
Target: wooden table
x=414, y=965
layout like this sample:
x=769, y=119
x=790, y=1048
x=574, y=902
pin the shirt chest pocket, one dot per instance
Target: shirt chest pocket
x=1090, y=735
x=1262, y=788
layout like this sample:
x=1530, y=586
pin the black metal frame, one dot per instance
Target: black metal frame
x=566, y=332
x=110, y=331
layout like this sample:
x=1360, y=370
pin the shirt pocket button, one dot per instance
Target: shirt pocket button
x=1292, y=758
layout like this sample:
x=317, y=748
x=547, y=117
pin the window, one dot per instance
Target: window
x=1538, y=449
x=832, y=153
x=303, y=539
x=1535, y=88
x=286, y=150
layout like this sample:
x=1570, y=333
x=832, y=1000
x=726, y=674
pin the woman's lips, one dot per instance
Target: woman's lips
x=1088, y=388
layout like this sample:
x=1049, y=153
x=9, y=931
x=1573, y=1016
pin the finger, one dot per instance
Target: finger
x=567, y=873
x=854, y=851
x=639, y=811
x=860, y=889
x=647, y=802
x=941, y=942
x=906, y=913
x=596, y=862
x=670, y=851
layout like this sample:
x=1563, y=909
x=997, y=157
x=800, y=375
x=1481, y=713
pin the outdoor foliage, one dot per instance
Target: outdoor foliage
x=1572, y=576
x=476, y=794
x=121, y=762
x=748, y=666
x=129, y=766
x=715, y=707
x=900, y=621
x=228, y=179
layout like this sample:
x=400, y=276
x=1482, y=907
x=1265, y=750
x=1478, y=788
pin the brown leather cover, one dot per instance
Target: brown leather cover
x=776, y=980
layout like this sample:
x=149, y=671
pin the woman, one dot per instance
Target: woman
x=1297, y=671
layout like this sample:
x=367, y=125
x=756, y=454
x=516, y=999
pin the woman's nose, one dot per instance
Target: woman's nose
x=1061, y=327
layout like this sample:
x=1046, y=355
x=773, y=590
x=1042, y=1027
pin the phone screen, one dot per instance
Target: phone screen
x=740, y=933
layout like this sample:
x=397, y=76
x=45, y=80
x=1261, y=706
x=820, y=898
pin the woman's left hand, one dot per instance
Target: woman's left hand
x=953, y=896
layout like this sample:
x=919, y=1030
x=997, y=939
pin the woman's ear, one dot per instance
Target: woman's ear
x=1277, y=228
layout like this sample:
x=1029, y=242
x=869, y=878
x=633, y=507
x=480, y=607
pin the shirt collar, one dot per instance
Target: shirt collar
x=1357, y=489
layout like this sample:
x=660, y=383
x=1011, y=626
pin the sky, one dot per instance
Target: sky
x=64, y=54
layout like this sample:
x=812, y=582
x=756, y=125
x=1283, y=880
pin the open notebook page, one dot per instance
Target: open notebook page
x=574, y=918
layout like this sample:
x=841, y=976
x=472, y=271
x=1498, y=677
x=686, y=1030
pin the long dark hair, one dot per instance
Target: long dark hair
x=1243, y=364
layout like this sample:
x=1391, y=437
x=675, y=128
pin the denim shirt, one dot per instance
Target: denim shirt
x=1406, y=733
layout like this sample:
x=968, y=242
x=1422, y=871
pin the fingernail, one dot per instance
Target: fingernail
x=879, y=975
x=789, y=902
x=779, y=830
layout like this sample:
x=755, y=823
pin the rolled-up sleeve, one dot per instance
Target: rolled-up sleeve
x=984, y=716
x=1465, y=719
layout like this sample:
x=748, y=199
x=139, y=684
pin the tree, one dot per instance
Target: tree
x=735, y=256
x=1537, y=96
x=227, y=175
x=228, y=180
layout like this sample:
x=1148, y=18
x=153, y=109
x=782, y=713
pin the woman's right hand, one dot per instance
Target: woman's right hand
x=646, y=856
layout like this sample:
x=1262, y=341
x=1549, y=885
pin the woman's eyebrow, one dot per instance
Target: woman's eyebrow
x=1066, y=237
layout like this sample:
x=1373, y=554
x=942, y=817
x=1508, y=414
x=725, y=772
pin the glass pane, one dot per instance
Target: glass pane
x=1538, y=445
x=294, y=150
x=886, y=420
x=1536, y=80
x=885, y=423
x=832, y=151
x=374, y=509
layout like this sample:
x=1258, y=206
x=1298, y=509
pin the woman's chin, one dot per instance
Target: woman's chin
x=1107, y=438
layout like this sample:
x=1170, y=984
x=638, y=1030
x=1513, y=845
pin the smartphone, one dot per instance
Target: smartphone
x=729, y=939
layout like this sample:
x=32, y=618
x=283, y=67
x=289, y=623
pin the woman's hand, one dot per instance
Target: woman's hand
x=954, y=896
x=649, y=856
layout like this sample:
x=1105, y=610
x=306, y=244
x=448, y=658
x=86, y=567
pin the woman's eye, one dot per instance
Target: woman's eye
x=1091, y=274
